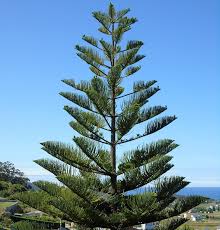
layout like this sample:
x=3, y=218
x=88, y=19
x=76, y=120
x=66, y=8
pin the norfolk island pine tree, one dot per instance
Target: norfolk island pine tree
x=95, y=185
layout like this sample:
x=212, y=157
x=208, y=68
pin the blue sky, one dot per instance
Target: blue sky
x=182, y=52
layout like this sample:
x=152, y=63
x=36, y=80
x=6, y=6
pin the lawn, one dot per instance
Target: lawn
x=4, y=205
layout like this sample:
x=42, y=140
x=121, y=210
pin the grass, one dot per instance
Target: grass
x=4, y=205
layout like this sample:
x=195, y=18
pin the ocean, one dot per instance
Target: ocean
x=210, y=192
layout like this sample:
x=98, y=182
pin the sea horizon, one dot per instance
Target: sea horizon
x=210, y=192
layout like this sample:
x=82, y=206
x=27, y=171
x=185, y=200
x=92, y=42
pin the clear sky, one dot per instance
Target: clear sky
x=181, y=39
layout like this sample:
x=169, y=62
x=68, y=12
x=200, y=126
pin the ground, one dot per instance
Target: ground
x=210, y=216
x=4, y=205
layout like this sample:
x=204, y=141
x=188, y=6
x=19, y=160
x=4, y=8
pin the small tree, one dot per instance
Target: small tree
x=12, y=180
x=9, y=173
x=97, y=184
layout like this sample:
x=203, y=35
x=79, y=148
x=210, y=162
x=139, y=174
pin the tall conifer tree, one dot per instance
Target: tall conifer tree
x=96, y=180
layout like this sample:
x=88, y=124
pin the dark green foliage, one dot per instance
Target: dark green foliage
x=9, y=173
x=7, y=189
x=96, y=180
x=25, y=225
x=34, y=223
x=170, y=224
x=12, y=180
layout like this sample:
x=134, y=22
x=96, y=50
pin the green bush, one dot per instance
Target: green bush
x=22, y=225
x=186, y=227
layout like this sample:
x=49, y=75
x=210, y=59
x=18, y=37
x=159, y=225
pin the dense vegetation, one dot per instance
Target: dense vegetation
x=12, y=180
x=9, y=173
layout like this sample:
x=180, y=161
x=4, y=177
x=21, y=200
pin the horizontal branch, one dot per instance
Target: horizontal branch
x=138, y=87
x=84, y=132
x=152, y=127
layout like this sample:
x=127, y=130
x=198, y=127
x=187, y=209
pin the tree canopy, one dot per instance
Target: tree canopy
x=12, y=180
x=9, y=173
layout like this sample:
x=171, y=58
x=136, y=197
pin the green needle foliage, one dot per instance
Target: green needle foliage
x=96, y=181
